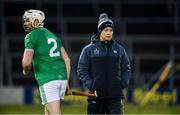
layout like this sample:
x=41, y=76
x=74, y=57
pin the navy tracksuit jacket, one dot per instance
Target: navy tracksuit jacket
x=104, y=68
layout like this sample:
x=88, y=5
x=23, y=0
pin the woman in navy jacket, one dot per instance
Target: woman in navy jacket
x=104, y=67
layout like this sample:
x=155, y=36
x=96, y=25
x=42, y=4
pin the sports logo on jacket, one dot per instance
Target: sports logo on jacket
x=96, y=51
x=115, y=51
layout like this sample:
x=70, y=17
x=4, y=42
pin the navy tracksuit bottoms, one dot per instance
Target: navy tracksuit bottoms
x=105, y=106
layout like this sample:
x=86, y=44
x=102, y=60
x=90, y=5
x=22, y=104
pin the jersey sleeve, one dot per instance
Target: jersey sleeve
x=30, y=41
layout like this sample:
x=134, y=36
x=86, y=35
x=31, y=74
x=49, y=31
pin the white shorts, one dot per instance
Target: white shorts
x=52, y=91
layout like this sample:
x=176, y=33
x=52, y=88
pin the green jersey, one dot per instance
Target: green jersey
x=47, y=61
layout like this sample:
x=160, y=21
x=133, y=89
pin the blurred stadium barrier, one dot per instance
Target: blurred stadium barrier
x=11, y=95
x=162, y=96
x=30, y=95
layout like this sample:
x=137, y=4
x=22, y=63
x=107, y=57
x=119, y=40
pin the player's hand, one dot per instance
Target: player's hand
x=26, y=73
x=67, y=89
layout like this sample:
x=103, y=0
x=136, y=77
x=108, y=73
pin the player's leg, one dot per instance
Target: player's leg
x=53, y=108
x=50, y=96
x=45, y=111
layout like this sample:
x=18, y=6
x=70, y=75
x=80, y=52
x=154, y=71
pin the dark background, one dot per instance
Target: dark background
x=148, y=29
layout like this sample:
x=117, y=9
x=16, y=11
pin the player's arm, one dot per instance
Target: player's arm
x=26, y=61
x=67, y=61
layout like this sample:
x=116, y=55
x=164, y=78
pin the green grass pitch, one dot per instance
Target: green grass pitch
x=79, y=108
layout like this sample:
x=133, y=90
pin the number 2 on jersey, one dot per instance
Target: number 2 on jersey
x=52, y=52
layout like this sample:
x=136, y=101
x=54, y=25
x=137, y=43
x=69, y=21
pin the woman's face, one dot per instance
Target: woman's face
x=106, y=34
